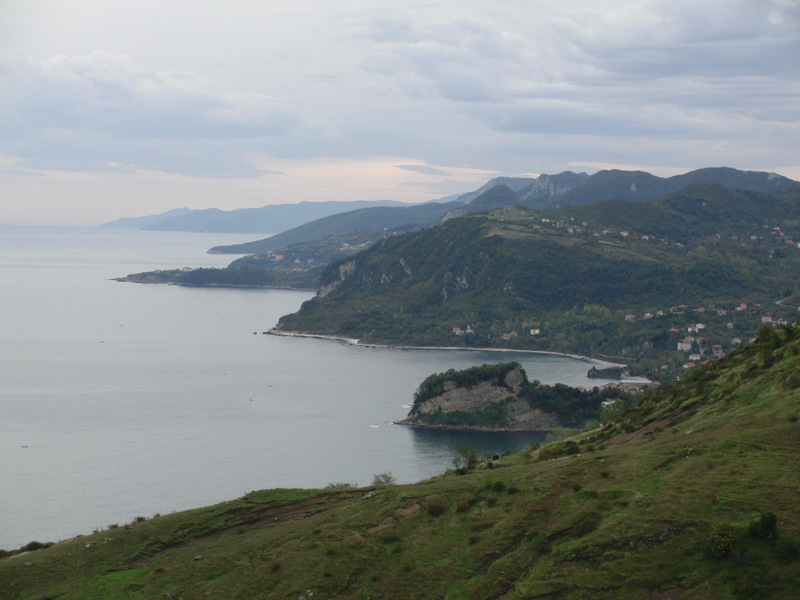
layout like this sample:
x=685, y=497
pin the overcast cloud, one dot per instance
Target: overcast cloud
x=111, y=109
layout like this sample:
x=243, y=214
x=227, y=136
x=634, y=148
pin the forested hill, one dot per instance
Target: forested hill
x=620, y=279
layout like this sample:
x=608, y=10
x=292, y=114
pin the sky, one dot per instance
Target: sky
x=125, y=108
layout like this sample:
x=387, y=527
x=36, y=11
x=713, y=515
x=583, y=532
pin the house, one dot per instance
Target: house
x=766, y=320
x=685, y=345
x=457, y=331
x=736, y=341
x=630, y=318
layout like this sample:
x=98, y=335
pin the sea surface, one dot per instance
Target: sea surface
x=120, y=400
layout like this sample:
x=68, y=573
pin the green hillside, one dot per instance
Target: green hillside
x=691, y=495
x=625, y=280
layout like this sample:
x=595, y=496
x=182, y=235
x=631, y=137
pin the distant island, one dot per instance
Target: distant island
x=272, y=218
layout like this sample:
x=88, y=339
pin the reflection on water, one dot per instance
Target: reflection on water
x=443, y=445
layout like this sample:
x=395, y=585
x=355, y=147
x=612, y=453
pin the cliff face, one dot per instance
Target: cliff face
x=498, y=403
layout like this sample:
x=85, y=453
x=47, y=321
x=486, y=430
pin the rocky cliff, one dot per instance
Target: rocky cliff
x=500, y=400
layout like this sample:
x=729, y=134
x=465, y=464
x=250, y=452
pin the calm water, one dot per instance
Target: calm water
x=119, y=400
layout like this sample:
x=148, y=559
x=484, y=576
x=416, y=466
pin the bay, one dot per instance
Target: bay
x=120, y=400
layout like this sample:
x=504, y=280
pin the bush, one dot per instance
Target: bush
x=497, y=486
x=764, y=527
x=466, y=459
x=720, y=541
x=436, y=506
x=31, y=546
x=340, y=485
x=383, y=479
x=787, y=551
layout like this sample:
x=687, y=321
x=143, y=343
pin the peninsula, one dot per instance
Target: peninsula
x=499, y=397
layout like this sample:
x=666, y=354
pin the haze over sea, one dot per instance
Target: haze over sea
x=120, y=400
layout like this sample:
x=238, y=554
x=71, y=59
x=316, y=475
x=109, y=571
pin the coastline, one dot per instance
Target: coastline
x=357, y=342
x=131, y=279
x=418, y=425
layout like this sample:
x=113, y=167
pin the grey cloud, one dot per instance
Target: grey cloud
x=462, y=59
x=722, y=67
x=105, y=97
x=424, y=170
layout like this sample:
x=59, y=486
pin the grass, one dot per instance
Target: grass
x=664, y=500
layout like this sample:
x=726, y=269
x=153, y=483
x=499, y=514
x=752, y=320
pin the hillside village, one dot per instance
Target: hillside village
x=688, y=335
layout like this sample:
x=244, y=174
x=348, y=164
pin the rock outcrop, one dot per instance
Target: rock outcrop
x=497, y=403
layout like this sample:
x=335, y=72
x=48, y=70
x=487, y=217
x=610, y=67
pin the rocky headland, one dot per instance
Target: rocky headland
x=498, y=397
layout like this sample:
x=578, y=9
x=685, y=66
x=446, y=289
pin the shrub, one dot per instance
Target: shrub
x=787, y=551
x=466, y=458
x=436, y=506
x=341, y=485
x=764, y=527
x=497, y=486
x=383, y=479
x=720, y=541
x=31, y=546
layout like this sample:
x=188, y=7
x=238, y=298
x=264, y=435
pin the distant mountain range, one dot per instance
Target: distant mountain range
x=306, y=221
x=545, y=191
x=267, y=219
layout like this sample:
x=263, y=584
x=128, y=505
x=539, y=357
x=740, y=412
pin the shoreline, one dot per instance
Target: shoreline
x=357, y=342
x=129, y=279
x=417, y=425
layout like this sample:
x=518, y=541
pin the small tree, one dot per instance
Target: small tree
x=383, y=479
x=466, y=459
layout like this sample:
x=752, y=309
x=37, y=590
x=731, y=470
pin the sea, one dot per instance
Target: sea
x=120, y=400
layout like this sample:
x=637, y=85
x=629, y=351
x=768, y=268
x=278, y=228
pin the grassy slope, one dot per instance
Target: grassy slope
x=628, y=516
